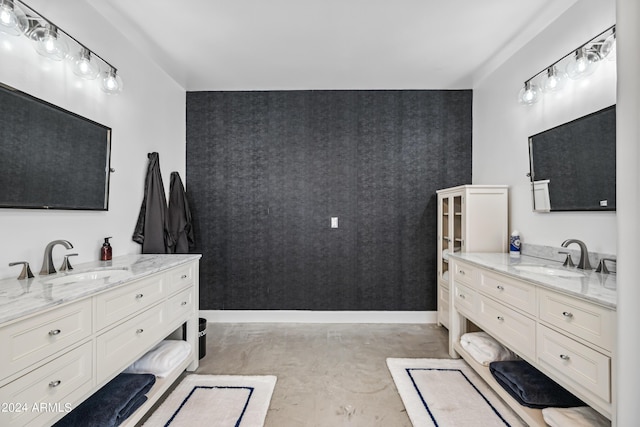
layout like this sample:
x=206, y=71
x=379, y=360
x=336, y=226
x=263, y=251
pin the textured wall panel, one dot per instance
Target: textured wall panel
x=267, y=170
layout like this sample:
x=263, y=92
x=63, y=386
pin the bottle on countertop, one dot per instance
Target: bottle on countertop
x=514, y=243
x=105, y=250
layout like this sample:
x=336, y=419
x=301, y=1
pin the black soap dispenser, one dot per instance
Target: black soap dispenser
x=105, y=251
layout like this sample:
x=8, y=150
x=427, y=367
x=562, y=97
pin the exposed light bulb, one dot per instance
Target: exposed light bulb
x=554, y=81
x=111, y=82
x=50, y=45
x=529, y=94
x=84, y=65
x=608, y=47
x=12, y=20
x=583, y=64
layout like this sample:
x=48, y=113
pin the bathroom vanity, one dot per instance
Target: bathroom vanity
x=562, y=321
x=65, y=335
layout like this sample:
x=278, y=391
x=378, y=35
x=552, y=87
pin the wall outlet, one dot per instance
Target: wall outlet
x=334, y=222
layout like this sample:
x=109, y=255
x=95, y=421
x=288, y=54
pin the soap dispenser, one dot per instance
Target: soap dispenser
x=105, y=251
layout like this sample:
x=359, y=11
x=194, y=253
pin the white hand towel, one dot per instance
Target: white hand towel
x=161, y=359
x=581, y=416
x=485, y=349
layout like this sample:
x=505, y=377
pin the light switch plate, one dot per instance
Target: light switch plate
x=334, y=222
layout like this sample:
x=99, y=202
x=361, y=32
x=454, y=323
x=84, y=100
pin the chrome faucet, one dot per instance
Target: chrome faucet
x=47, y=262
x=584, y=253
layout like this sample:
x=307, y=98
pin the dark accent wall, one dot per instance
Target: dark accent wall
x=267, y=170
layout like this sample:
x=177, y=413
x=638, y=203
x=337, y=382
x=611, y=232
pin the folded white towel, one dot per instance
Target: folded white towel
x=161, y=359
x=485, y=349
x=581, y=416
x=445, y=275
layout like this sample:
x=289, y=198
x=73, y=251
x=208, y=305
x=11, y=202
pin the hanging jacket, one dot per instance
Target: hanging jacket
x=180, y=225
x=152, y=230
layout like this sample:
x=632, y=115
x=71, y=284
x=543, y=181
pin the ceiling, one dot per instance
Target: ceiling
x=329, y=44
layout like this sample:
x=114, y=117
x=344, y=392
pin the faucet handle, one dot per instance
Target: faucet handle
x=26, y=270
x=602, y=267
x=568, y=262
x=66, y=265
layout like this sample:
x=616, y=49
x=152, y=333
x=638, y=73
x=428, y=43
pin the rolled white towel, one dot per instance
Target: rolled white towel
x=445, y=254
x=581, y=416
x=485, y=349
x=445, y=275
x=161, y=359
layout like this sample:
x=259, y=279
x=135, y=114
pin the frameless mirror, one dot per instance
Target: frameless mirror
x=573, y=166
x=51, y=158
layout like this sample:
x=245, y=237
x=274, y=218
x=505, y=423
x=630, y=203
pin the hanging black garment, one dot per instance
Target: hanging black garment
x=152, y=230
x=180, y=225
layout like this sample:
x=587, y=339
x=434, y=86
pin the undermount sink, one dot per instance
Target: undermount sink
x=548, y=271
x=88, y=276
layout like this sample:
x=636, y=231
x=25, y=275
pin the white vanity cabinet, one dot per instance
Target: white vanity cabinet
x=471, y=218
x=566, y=336
x=54, y=359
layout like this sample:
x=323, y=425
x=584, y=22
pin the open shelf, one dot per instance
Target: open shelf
x=533, y=417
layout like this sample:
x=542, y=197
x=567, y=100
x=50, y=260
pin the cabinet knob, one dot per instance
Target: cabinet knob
x=54, y=332
x=183, y=303
x=500, y=318
x=564, y=357
x=500, y=287
x=139, y=296
x=184, y=276
x=462, y=296
x=55, y=383
x=567, y=314
x=139, y=331
x=461, y=272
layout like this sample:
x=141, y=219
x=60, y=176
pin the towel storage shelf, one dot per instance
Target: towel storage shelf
x=568, y=338
x=56, y=358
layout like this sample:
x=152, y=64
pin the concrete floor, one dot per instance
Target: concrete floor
x=328, y=374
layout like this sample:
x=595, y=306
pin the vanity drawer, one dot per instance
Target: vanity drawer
x=33, y=339
x=463, y=273
x=120, y=303
x=180, y=305
x=180, y=277
x=517, y=294
x=575, y=363
x=591, y=322
x=119, y=347
x=57, y=384
x=515, y=330
x=464, y=300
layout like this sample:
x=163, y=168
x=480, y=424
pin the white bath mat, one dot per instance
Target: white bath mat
x=447, y=392
x=216, y=401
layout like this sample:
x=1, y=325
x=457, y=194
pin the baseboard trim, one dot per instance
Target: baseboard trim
x=305, y=316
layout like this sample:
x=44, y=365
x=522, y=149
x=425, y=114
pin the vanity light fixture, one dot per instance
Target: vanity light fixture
x=578, y=64
x=50, y=41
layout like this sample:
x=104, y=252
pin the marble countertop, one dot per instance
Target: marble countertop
x=595, y=287
x=20, y=298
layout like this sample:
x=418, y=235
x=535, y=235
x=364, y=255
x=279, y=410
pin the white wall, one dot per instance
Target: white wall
x=501, y=126
x=148, y=116
x=627, y=386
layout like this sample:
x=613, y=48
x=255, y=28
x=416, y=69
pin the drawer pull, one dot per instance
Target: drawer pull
x=567, y=314
x=54, y=332
x=184, y=276
x=183, y=303
x=564, y=357
x=55, y=383
x=139, y=296
x=139, y=331
x=500, y=287
x=500, y=318
x=462, y=296
x=461, y=272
